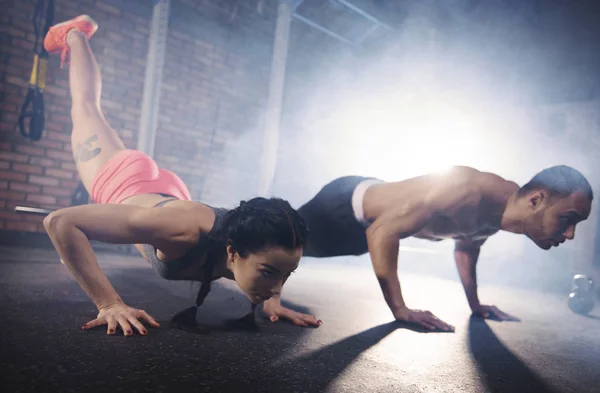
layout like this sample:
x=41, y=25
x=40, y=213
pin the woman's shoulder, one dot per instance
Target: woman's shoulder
x=206, y=216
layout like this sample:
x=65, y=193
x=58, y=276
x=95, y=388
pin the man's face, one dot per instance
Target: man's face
x=553, y=219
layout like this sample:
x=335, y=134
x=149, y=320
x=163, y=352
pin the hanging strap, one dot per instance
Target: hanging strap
x=33, y=107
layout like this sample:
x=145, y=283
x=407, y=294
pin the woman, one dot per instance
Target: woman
x=258, y=244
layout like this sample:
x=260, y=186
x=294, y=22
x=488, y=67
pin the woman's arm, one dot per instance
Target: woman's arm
x=71, y=230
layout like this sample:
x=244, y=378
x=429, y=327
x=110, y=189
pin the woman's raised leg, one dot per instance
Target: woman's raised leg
x=93, y=141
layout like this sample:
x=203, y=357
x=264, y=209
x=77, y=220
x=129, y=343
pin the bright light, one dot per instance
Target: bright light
x=402, y=138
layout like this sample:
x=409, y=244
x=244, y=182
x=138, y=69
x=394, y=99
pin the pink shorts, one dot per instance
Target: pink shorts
x=129, y=173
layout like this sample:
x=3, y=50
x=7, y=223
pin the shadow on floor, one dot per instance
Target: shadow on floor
x=499, y=369
x=329, y=362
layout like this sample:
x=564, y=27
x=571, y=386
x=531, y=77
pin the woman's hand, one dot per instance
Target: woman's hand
x=124, y=316
x=275, y=311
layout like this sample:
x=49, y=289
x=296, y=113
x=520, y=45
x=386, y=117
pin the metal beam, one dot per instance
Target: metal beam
x=276, y=89
x=361, y=12
x=321, y=28
x=154, y=69
x=376, y=22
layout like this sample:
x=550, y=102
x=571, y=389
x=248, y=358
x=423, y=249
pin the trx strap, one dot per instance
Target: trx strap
x=37, y=81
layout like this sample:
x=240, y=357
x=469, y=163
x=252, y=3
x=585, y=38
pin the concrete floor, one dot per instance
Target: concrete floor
x=357, y=349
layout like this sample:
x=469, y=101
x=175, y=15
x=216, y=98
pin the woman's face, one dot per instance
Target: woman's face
x=261, y=275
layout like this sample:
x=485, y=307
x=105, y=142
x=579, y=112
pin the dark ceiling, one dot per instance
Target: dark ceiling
x=550, y=48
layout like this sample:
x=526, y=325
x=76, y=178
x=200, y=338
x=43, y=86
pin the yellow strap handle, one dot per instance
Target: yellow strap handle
x=43, y=66
x=38, y=72
x=34, y=74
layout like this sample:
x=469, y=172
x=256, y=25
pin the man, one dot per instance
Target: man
x=354, y=215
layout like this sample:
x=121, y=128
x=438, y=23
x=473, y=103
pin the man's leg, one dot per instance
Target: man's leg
x=330, y=216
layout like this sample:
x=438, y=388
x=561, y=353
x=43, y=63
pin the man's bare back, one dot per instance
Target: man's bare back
x=481, y=200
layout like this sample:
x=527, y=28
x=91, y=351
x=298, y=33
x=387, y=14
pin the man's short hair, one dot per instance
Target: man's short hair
x=560, y=180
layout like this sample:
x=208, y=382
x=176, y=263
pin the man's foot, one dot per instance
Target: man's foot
x=56, y=39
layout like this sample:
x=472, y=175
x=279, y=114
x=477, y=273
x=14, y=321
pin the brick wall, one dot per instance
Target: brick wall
x=214, y=91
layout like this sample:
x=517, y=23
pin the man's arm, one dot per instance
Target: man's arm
x=466, y=254
x=383, y=238
x=419, y=202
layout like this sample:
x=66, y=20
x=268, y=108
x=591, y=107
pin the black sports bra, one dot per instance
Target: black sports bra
x=209, y=244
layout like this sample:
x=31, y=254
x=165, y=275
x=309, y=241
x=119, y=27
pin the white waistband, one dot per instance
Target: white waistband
x=357, y=199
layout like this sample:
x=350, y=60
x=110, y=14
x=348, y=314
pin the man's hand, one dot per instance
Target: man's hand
x=274, y=311
x=493, y=312
x=422, y=318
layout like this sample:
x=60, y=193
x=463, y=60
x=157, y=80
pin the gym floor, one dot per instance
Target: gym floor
x=357, y=349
